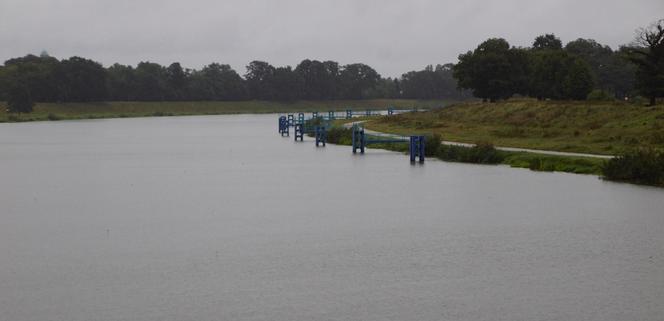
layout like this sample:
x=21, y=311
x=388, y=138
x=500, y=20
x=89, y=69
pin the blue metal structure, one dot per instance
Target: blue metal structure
x=360, y=141
x=284, y=129
x=281, y=123
x=416, y=148
x=321, y=135
x=299, y=132
x=319, y=126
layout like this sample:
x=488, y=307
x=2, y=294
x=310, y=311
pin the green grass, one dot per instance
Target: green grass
x=581, y=126
x=486, y=154
x=551, y=163
x=53, y=111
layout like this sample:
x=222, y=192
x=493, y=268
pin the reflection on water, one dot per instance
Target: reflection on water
x=219, y=218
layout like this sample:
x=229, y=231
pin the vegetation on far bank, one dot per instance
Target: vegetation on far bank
x=641, y=166
x=118, y=109
x=493, y=71
x=596, y=127
x=485, y=153
x=547, y=70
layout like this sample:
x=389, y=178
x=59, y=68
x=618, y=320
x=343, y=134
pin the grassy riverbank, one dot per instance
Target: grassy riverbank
x=584, y=127
x=487, y=154
x=634, y=133
x=53, y=111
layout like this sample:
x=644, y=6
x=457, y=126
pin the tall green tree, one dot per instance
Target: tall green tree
x=492, y=71
x=610, y=70
x=319, y=80
x=150, y=81
x=387, y=88
x=176, y=82
x=578, y=81
x=4, y=83
x=648, y=56
x=217, y=82
x=121, y=82
x=260, y=80
x=357, y=80
x=555, y=74
x=81, y=79
x=19, y=99
x=285, y=84
x=547, y=41
x=37, y=74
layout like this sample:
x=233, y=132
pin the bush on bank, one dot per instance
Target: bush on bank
x=641, y=166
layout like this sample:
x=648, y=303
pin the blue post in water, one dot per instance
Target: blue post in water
x=299, y=132
x=330, y=115
x=291, y=120
x=349, y=114
x=300, y=118
x=359, y=140
x=368, y=112
x=283, y=125
x=390, y=111
x=416, y=148
x=321, y=135
x=285, y=129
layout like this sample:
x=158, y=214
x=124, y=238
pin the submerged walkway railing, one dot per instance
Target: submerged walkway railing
x=318, y=126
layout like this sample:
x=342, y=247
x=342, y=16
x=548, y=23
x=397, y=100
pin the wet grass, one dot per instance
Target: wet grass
x=485, y=153
x=607, y=128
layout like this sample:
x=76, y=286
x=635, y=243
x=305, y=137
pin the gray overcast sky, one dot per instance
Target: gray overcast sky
x=391, y=36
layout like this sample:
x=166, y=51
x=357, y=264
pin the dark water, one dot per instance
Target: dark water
x=219, y=218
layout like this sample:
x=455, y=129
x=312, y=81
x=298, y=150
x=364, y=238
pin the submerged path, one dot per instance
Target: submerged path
x=507, y=149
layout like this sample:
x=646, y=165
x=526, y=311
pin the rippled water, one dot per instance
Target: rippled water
x=219, y=218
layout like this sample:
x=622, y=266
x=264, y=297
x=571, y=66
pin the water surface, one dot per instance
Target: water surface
x=219, y=218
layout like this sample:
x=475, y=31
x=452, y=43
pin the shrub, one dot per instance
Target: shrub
x=548, y=163
x=639, y=101
x=599, y=95
x=482, y=153
x=52, y=116
x=643, y=166
x=432, y=144
x=339, y=135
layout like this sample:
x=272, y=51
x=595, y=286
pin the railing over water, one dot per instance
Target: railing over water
x=319, y=126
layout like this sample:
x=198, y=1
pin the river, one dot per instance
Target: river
x=220, y=218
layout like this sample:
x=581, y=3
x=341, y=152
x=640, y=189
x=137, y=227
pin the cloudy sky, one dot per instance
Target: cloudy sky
x=391, y=36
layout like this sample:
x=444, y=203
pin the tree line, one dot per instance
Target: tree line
x=547, y=70
x=46, y=79
x=494, y=70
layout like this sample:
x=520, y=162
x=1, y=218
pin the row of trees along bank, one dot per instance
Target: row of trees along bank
x=493, y=71
x=547, y=70
x=46, y=79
